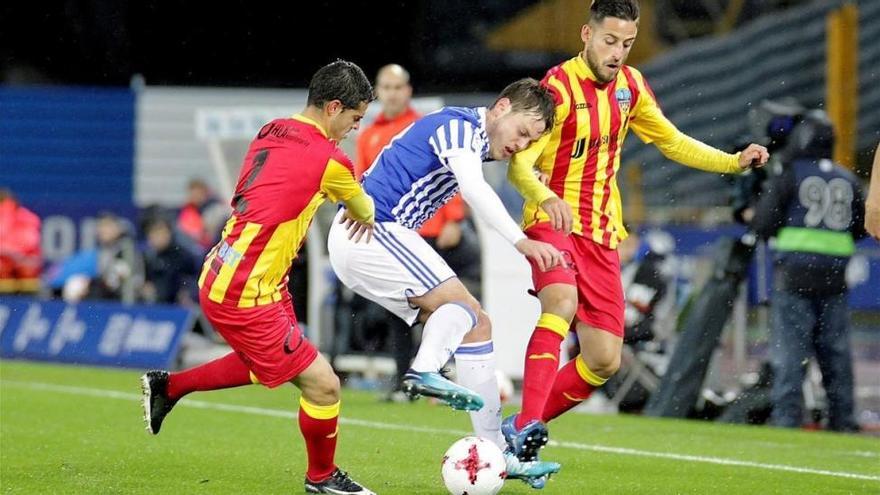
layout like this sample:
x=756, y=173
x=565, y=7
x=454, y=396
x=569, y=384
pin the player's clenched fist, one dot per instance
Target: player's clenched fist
x=754, y=155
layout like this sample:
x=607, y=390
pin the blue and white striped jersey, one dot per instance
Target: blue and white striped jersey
x=410, y=179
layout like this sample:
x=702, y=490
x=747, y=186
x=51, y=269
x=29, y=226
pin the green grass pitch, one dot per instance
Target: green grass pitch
x=66, y=429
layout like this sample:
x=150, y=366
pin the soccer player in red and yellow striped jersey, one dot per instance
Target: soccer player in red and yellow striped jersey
x=598, y=100
x=291, y=167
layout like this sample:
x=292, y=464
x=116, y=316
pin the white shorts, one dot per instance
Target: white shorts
x=395, y=265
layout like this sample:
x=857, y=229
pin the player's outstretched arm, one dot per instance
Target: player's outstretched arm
x=649, y=123
x=688, y=151
x=486, y=204
x=872, y=204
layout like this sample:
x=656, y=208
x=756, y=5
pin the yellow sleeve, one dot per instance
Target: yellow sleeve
x=339, y=185
x=649, y=123
x=361, y=208
x=521, y=172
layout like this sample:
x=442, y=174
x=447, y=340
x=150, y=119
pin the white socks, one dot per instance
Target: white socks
x=442, y=334
x=475, y=368
x=474, y=364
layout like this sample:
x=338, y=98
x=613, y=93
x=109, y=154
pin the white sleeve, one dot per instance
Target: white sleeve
x=479, y=195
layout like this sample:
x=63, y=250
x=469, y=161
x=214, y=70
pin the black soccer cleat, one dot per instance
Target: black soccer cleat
x=338, y=483
x=157, y=405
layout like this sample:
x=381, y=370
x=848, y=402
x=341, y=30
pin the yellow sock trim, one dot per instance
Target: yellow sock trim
x=254, y=379
x=555, y=323
x=587, y=375
x=319, y=412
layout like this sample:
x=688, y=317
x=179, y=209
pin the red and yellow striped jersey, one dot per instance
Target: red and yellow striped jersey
x=581, y=155
x=288, y=171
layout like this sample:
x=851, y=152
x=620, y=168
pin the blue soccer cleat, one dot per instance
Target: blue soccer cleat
x=533, y=473
x=433, y=384
x=525, y=443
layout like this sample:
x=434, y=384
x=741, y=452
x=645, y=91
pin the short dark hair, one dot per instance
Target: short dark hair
x=530, y=96
x=340, y=80
x=627, y=10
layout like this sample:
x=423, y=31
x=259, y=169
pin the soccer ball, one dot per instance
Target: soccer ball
x=473, y=466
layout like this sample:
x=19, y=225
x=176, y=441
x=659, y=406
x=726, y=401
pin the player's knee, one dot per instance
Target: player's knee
x=474, y=307
x=482, y=331
x=604, y=363
x=326, y=390
x=559, y=303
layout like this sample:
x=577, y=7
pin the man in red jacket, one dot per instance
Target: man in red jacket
x=394, y=94
x=20, y=256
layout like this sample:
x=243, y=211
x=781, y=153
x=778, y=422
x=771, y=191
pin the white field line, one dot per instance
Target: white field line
x=279, y=413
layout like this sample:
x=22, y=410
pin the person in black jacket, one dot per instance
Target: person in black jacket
x=815, y=210
x=170, y=268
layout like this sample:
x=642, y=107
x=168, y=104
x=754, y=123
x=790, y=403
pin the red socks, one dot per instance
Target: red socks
x=574, y=384
x=541, y=365
x=319, y=427
x=318, y=424
x=226, y=372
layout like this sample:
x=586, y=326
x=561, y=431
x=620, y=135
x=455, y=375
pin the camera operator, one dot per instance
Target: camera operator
x=815, y=210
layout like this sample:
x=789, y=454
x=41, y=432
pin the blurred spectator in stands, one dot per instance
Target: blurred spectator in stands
x=202, y=217
x=20, y=257
x=646, y=276
x=170, y=269
x=120, y=265
x=114, y=270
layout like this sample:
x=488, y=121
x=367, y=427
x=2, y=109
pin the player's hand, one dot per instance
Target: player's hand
x=559, y=212
x=357, y=230
x=545, y=255
x=754, y=156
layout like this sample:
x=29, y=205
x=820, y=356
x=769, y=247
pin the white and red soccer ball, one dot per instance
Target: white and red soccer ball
x=474, y=466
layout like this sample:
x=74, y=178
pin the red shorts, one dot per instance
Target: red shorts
x=267, y=338
x=593, y=269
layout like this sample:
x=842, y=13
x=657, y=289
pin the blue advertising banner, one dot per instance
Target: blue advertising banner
x=95, y=333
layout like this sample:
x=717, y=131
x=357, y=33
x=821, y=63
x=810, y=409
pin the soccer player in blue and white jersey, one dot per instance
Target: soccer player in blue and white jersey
x=419, y=171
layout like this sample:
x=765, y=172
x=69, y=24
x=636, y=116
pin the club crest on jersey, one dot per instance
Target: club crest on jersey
x=624, y=97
